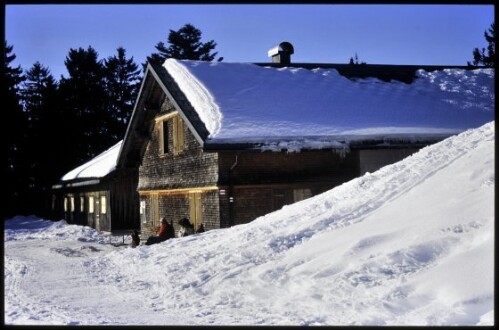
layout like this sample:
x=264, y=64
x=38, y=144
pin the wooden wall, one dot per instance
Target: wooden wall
x=191, y=168
x=372, y=160
x=281, y=167
x=124, y=200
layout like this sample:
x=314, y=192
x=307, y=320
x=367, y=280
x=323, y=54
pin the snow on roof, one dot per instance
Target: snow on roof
x=243, y=102
x=98, y=167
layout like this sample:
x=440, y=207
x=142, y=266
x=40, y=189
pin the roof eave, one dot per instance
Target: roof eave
x=387, y=142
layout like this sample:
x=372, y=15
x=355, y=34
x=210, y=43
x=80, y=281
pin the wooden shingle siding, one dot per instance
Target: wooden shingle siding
x=211, y=209
x=189, y=168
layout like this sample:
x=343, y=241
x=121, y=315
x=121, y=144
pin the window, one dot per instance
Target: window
x=82, y=204
x=143, y=211
x=301, y=194
x=91, y=204
x=103, y=205
x=72, y=204
x=163, y=137
x=171, y=133
x=65, y=204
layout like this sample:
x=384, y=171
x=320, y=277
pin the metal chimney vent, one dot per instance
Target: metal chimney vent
x=282, y=53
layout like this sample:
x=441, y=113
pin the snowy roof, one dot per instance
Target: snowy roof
x=248, y=103
x=98, y=167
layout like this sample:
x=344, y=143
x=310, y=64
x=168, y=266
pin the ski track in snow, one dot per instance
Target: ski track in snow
x=346, y=257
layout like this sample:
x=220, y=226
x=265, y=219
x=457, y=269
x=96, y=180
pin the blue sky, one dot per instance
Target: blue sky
x=329, y=33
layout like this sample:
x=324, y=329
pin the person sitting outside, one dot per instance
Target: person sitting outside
x=186, y=228
x=164, y=232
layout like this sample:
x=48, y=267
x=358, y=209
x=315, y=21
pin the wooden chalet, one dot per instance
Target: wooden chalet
x=184, y=170
x=190, y=151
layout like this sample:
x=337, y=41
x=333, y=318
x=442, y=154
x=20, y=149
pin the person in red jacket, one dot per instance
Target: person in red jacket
x=164, y=232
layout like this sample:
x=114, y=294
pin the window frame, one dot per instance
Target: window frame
x=171, y=134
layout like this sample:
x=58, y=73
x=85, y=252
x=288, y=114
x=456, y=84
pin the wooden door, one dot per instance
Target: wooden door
x=154, y=212
x=195, y=209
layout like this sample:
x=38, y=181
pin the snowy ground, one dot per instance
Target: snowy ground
x=411, y=244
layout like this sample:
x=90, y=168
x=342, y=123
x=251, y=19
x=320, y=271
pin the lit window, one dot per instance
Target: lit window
x=65, y=204
x=301, y=194
x=91, y=204
x=82, y=204
x=103, y=205
x=142, y=207
x=143, y=211
x=72, y=204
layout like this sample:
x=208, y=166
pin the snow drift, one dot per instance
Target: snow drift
x=411, y=244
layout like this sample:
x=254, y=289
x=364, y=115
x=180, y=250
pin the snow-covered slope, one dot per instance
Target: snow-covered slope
x=411, y=244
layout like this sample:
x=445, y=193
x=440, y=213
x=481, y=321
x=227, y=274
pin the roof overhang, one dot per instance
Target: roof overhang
x=71, y=184
x=346, y=142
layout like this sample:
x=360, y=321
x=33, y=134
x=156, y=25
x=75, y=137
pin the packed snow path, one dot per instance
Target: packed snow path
x=411, y=244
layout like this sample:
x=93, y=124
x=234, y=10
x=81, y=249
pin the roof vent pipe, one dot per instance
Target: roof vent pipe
x=281, y=54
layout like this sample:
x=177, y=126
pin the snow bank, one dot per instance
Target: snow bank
x=21, y=228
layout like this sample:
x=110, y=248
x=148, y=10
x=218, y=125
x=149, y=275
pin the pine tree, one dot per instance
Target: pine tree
x=84, y=97
x=14, y=181
x=356, y=61
x=40, y=101
x=122, y=83
x=34, y=93
x=486, y=59
x=185, y=44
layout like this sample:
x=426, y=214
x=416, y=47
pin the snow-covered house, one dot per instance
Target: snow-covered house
x=99, y=195
x=223, y=143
